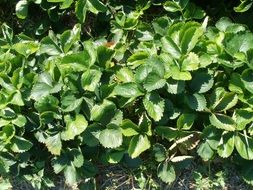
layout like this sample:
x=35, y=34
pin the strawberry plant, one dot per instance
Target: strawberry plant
x=170, y=88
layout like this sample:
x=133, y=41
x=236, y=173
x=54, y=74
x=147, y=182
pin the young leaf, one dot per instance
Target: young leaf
x=138, y=144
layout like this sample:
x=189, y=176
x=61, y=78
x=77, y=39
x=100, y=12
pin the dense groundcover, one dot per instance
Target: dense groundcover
x=152, y=84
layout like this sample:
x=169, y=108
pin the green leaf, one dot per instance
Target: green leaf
x=205, y=151
x=166, y=172
x=247, y=79
x=19, y=144
x=235, y=84
x=77, y=62
x=191, y=62
x=174, y=86
x=244, y=146
x=159, y=152
x=167, y=132
x=129, y=128
x=243, y=6
x=185, y=121
x=228, y=101
x=239, y=43
x=53, y=144
x=90, y=79
x=26, y=48
x=20, y=121
x=111, y=137
x=171, y=6
x=190, y=38
x=222, y=122
x=70, y=37
x=97, y=6
x=104, y=56
x=226, y=145
x=180, y=75
x=138, y=144
x=154, y=105
x=81, y=10
x=44, y=86
x=101, y=110
x=49, y=46
x=201, y=82
x=22, y=9
x=153, y=81
x=169, y=46
x=74, y=127
x=125, y=75
x=47, y=103
x=70, y=174
x=70, y=103
x=127, y=90
x=115, y=157
x=196, y=102
x=242, y=118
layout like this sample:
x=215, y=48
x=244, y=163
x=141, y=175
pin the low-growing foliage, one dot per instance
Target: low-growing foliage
x=167, y=88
